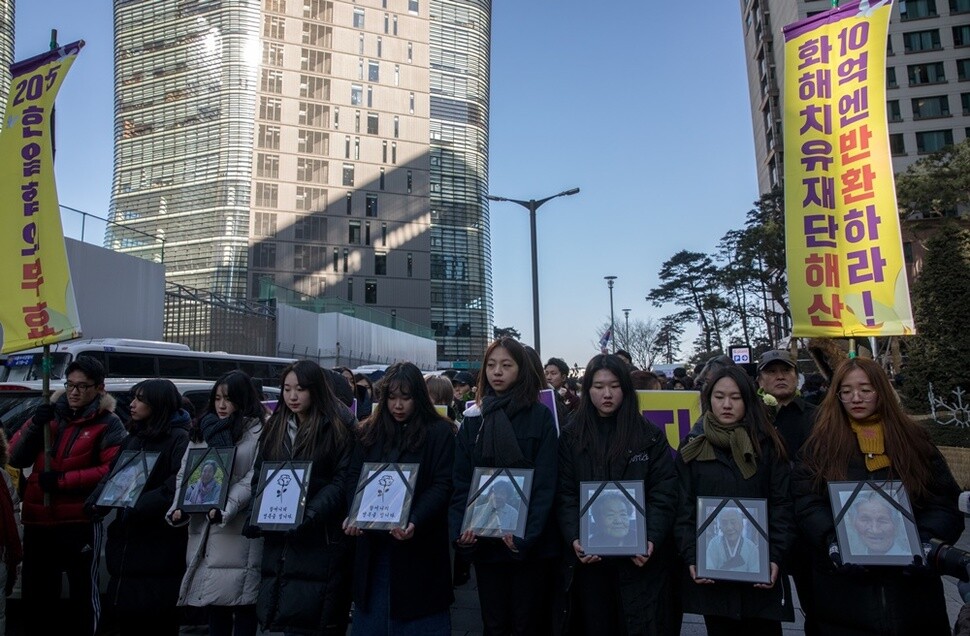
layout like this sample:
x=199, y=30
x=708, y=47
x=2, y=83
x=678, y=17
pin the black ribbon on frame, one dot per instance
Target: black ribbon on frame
x=744, y=510
x=882, y=493
x=498, y=473
x=380, y=469
x=627, y=494
x=289, y=463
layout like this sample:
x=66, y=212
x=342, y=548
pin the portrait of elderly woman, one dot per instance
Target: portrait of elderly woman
x=730, y=549
x=206, y=488
x=875, y=527
x=498, y=511
x=612, y=522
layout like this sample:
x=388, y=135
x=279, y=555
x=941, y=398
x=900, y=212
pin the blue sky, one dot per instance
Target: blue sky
x=642, y=105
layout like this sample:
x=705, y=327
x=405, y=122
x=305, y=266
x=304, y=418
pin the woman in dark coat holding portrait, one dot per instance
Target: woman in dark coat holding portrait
x=608, y=439
x=737, y=453
x=862, y=434
x=402, y=577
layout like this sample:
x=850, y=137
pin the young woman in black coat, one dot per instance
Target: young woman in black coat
x=305, y=583
x=145, y=555
x=608, y=439
x=402, y=577
x=509, y=428
x=862, y=434
x=738, y=454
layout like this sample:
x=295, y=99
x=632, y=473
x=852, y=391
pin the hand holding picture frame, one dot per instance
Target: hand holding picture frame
x=498, y=502
x=383, y=497
x=205, y=482
x=732, y=539
x=613, y=518
x=874, y=523
x=127, y=479
x=280, y=500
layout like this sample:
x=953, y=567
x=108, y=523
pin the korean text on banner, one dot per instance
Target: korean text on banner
x=38, y=298
x=673, y=412
x=845, y=258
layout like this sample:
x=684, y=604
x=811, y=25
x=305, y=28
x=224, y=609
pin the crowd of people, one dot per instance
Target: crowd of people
x=757, y=440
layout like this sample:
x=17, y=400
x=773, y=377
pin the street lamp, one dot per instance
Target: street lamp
x=532, y=205
x=626, y=317
x=609, y=283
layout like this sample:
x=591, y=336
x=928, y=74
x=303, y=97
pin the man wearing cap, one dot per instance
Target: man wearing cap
x=778, y=379
x=464, y=392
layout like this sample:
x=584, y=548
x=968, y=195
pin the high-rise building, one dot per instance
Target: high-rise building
x=6, y=48
x=331, y=147
x=928, y=63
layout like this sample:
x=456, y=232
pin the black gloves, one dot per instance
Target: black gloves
x=44, y=414
x=49, y=480
x=252, y=532
x=215, y=516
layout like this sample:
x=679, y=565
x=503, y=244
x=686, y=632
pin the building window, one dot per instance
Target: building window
x=373, y=122
x=336, y=259
x=360, y=69
x=264, y=255
x=380, y=263
x=350, y=281
x=271, y=81
x=926, y=73
x=410, y=181
x=370, y=96
x=357, y=148
x=311, y=199
x=356, y=94
x=892, y=106
x=965, y=102
x=312, y=142
x=413, y=6
x=916, y=9
x=267, y=166
x=933, y=140
x=277, y=6
x=380, y=46
x=891, y=78
x=370, y=292
x=889, y=45
x=922, y=41
x=350, y=202
x=393, y=152
x=272, y=54
x=270, y=108
x=371, y=205
x=397, y=126
x=348, y=174
x=397, y=75
x=373, y=71
x=930, y=107
x=314, y=61
x=394, y=24
x=318, y=9
x=411, y=103
x=267, y=195
x=410, y=52
x=336, y=117
x=896, y=144
x=310, y=258
x=383, y=234
x=353, y=238
x=274, y=27
x=384, y=151
x=264, y=224
x=963, y=70
x=959, y=6
x=410, y=264
x=382, y=179
x=317, y=35
x=346, y=259
x=961, y=35
x=312, y=170
x=313, y=114
x=367, y=233
x=387, y=23
x=357, y=121
x=358, y=18
x=311, y=227
x=314, y=87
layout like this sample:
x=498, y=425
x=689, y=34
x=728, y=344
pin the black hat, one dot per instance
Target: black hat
x=776, y=355
x=463, y=377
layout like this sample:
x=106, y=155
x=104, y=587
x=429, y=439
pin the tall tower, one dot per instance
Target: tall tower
x=320, y=145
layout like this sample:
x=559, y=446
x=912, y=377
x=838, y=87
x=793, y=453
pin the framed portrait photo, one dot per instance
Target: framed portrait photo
x=732, y=539
x=612, y=518
x=498, y=502
x=874, y=523
x=205, y=483
x=280, y=500
x=128, y=478
x=383, y=497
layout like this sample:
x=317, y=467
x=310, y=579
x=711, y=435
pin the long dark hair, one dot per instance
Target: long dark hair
x=631, y=431
x=832, y=445
x=755, y=419
x=164, y=400
x=242, y=393
x=323, y=414
x=381, y=427
x=525, y=391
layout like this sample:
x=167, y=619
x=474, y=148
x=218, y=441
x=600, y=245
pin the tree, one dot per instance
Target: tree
x=687, y=280
x=511, y=332
x=762, y=244
x=667, y=343
x=941, y=303
x=639, y=342
x=936, y=185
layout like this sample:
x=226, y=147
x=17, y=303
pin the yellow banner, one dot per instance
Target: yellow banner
x=673, y=412
x=38, y=299
x=846, y=274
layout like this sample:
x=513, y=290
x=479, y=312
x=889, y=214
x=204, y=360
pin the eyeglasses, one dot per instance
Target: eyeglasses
x=865, y=395
x=71, y=387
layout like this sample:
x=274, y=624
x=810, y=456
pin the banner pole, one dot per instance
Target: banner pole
x=852, y=351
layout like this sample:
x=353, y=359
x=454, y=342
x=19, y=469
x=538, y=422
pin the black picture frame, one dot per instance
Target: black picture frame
x=280, y=500
x=874, y=523
x=194, y=495
x=127, y=479
x=382, y=500
x=732, y=539
x=613, y=518
x=498, y=502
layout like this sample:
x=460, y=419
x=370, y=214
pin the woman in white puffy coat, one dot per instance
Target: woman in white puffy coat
x=223, y=566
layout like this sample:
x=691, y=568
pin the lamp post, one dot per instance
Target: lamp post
x=609, y=283
x=626, y=317
x=532, y=205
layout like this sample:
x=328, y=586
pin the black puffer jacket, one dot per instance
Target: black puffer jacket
x=145, y=555
x=722, y=478
x=878, y=600
x=643, y=590
x=305, y=573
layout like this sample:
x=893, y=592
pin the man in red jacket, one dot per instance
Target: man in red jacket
x=58, y=537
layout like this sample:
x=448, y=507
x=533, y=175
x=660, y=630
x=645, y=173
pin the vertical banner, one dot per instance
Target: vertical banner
x=846, y=274
x=38, y=299
x=673, y=412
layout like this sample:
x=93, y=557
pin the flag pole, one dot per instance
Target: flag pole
x=46, y=358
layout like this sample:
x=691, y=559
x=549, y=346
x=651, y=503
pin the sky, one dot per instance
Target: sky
x=641, y=105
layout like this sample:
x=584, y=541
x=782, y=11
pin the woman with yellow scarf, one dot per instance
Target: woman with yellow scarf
x=862, y=434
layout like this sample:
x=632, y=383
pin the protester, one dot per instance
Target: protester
x=222, y=572
x=814, y=388
x=792, y=418
x=305, y=586
x=145, y=555
x=556, y=372
x=402, y=577
x=509, y=428
x=736, y=453
x=608, y=439
x=646, y=381
x=11, y=549
x=624, y=355
x=58, y=536
x=463, y=382
x=712, y=366
x=364, y=393
x=442, y=393
x=862, y=433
